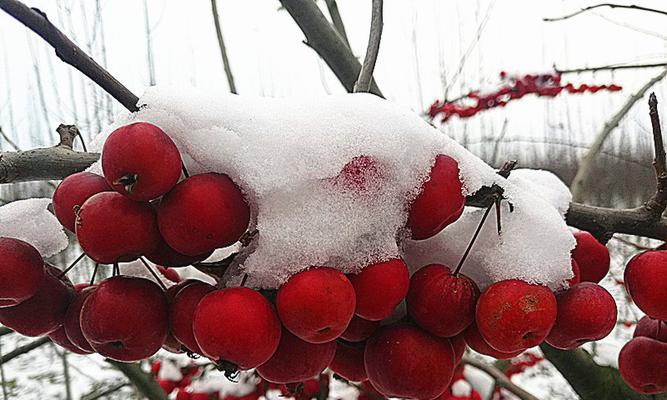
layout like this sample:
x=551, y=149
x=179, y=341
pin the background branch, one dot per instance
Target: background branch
x=143, y=381
x=610, y=5
x=337, y=20
x=611, y=67
x=24, y=349
x=363, y=84
x=223, y=49
x=500, y=379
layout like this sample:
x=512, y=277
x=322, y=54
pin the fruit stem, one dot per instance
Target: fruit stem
x=498, y=211
x=92, y=278
x=71, y=265
x=116, y=270
x=472, y=241
x=154, y=274
x=243, y=281
x=185, y=170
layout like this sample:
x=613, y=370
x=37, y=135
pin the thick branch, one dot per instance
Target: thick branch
x=43, y=164
x=223, y=49
x=144, y=382
x=363, y=84
x=324, y=39
x=500, y=378
x=69, y=52
x=24, y=349
x=610, y=5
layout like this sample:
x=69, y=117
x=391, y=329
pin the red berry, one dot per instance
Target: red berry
x=126, y=318
x=202, y=213
x=296, y=360
x=237, y=325
x=60, y=338
x=317, y=304
x=646, y=281
x=172, y=345
x=72, y=322
x=379, y=288
x=459, y=346
x=182, y=313
x=440, y=202
x=513, y=315
x=652, y=328
x=72, y=192
x=140, y=161
x=404, y=361
x=360, y=174
x=168, y=257
x=112, y=228
x=475, y=341
x=359, y=329
x=22, y=271
x=169, y=273
x=586, y=312
x=576, y=274
x=166, y=385
x=591, y=256
x=349, y=362
x=642, y=363
x=442, y=303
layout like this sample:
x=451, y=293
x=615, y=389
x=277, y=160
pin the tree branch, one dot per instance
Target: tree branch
x=611, y=67
x=144, y=382
x=24, y=349
x=500, y=378
x=98, y=395
x=324, y=39
x=610, y=5
x=336, y=20
x=223, y=49
x=363, y=84
x=69, y=52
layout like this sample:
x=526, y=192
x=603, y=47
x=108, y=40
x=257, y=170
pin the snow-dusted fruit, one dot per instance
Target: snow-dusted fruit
x=182, y=312
x=317, y=304
x=379, y=288
x=586, y=312
x=126, y=318
x=140, y=161
x=72, y=322
x=361, y=174
x=112, y=228
x=440, y=302
x=296, y=360
x=646, y=281
x=72, y=192
x=576, y=273
x=44, y=312
x=21, y=269
x=440, y=202
x=512, y=315
x=349, y=362
x=359, y=329
x=202, y=213
x=420, y=366
x=475, y=341
x=652, y=328
x=591, y=256
x=236, y=325
x=642, y=363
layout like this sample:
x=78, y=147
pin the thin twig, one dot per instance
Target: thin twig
x=658, y=202
x=72, y=265
x=499, y=377
x=363, y=84
x=223, y=49
x=472, y=241
x=8, y=140
x=610, y=5
x=24, y=349
x=157, y=278
x=2, y=378
x=610, y=67
x=337, y=20
x=105, y=392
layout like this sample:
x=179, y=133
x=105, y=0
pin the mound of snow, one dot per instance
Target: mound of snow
x=30, y=220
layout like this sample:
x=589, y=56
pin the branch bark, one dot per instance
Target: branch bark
x=613, y=67
x=337, y=20
x=223, y=49
x=69, y=52
x=24, y=349
x=610, y=5
x=324, y=39
x=363, y=84
x=500, y=379
x=141, y=380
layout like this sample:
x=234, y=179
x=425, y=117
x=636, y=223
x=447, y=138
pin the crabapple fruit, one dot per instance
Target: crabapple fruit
x=348, y=362
x=72, y=192
x=379, y=288
x=22, y=271
x=591, y=256
x=642, y=363
x=359, y=329
x=646, y=281
x=182, y=312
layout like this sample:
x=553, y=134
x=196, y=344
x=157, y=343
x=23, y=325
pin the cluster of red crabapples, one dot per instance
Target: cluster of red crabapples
x=515, y=87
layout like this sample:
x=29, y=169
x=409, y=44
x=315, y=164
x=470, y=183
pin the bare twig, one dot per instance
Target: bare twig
x=5, y=331
x=223, y=49
x=611, y=67
x=105, y=392
x=24, y=349
x=149, y=46
x=8, y=140
x=337, y=20
x=69, y=52
x=144, y=382
x=610, y=5
x=363, y=84
x=500, y=378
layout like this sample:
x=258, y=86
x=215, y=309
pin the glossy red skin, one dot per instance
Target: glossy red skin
x=440, y=202
x=642, y=363
x=144, y=150
x=72, y=322
x=646, y=280
x=126, y=318
x=379, y=288
x=459, y=346
x=317, y=304
x=202, y=213
x=441, y=303
x=73, y=191
x=22, y=271
x=475, y=341
x=591, y=256
x=237, y=325
x=112, y=228
x=586, y=312
x=359, y=329
x=182, y=312
x=44, y=312
x=407, y=362
x=60, y=338
x=173, y=290
x=576, y=278
x=513, y=315
x=651, y=328
x=168, y=257
x=296, y=360
x=359, y=175
x=349, y=362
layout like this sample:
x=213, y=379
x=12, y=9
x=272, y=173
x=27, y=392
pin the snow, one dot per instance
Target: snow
x=461, y=388
x=169, y=371
x=546, y=184
x=284, y=154
x=30, y=220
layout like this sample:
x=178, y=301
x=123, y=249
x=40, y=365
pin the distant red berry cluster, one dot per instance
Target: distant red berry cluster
x=515, y=87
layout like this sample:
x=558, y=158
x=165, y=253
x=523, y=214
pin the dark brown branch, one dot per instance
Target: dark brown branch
x=363, y=84
x=610, y=5
x=336, y=20
x=612, y=67
x=5, y=331
x=324, y=39
x=499, y=377
x=24, y=349
x=69, y=52
x=143, y=381
x=223, y=49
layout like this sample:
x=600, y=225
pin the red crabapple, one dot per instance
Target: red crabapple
x=182, y=313
x=140, y=161
x=646, y=281
x=359, y=329
x=459, y=346
x=652, y=328
x=642, y=363
x=442, y=303
x=112, y=228
x=349, y=362
x=60, y=338
x=576, y=273
x=72, y=192
x=379, y=288
x=591, y=256
x=475, y=341
x=22, y=271
x=440, y=202
x=72, y=322
x=513, y=315
x=317, y=304
x=360, y=174
x=168, y=257
x=202, y=213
